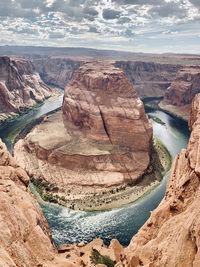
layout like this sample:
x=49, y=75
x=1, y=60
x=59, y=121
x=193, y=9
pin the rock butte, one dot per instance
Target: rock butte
x=101, y=140
x=20, y=86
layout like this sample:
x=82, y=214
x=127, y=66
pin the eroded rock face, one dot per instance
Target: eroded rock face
x=25, y=238
x=150, y=79
x=56, y=71
x=102, y=140
x=20, y=86
x=101, y=104
x=171, y=236
x=185, y=86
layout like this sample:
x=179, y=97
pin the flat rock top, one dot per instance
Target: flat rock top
x=100, y=68
x=192, y=70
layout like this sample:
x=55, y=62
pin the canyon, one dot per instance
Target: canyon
x=150, y=79
x=85, y=156
x=20, y=87
x=173, y=226
x=101, y=138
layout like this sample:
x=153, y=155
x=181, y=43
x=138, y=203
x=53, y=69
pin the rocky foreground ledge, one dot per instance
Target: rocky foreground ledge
x=25, y=237
x=98, y=152
x=171, y=236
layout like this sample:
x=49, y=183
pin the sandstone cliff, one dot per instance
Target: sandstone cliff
x=103, y=142
x=185, y=86
x=179, y=95
x=20, y=86
x=25, y=239
x=57, y=71
x=150, y=79
x=171, y=236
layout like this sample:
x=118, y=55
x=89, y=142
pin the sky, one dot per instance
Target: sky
x=154, y=26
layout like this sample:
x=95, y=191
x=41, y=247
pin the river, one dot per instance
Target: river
x=69, y=226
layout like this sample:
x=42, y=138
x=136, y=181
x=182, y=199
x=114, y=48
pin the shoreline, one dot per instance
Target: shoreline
x=117, y=196
x=21, y=132
x=173, y=111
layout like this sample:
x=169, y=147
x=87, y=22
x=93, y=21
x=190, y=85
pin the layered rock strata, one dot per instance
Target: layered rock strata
x=171, y=236
x=20, y=86
x=57, y=71
x=25, y=238
x=150, y=79
x=179, y=95
x=100, y=141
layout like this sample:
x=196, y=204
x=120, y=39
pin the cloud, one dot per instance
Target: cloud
x=195, y=3
x=139, y=2
x=110, y=14
x=56, y=35
x=116, y=24
x=169, y=9
x=93, y=29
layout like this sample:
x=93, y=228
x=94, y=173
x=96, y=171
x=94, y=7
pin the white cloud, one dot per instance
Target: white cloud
x=116, y=24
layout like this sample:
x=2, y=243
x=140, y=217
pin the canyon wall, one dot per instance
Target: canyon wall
x=185, y=86
x=183, y=89
x=171, y=235
x=20, y=86
x=56, y=71
x=150, y=79
x=25, y=238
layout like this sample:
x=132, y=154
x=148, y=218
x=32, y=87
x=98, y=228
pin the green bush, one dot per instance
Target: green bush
x=97, y=258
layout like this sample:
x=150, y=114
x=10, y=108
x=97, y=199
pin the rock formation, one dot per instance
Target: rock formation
x=150, y=79
x=25, y=239
x=105, y=141
x=57, y=71
x=20, y=86
x=171, y=235
x=169, y=238
x=179, y=95
x=185, y=86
